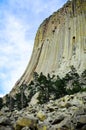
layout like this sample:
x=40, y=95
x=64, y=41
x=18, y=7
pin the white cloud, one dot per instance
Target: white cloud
x=1, y=95
x=19, y=20
x=15, y=53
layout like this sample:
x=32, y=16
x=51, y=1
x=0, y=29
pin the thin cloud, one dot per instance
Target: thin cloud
x=19, y=21
x=1, y=95
x=15, y=52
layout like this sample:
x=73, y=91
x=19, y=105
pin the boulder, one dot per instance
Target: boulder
x=31, y=122
x=58, y=119
x=81, y=119
x=6, y=128
x=42, y=126
x=41, y=115
x=34, y=99
x=25, y=128
x=4, y=121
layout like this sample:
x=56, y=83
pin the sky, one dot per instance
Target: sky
x=19, y=21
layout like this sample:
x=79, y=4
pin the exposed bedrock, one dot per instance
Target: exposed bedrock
x=60, y=42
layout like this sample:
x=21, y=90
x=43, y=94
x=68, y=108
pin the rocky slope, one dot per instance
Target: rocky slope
x=67, y=113
x=60, y=42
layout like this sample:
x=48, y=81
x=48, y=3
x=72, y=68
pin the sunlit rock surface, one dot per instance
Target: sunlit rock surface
x=60, y=42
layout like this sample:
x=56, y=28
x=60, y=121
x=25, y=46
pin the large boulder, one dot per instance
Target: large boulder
x=41, y=115
x=81, y=119
x=6, y=128
x=34, y=99
x=31, y=122
x=4, y=121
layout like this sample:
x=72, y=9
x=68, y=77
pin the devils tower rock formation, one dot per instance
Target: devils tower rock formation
x=60, y=42
x=52, y=102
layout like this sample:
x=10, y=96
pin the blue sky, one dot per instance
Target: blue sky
x=19, y=21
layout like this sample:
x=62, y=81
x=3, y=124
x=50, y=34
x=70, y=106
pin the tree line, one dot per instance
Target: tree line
x=49, y=87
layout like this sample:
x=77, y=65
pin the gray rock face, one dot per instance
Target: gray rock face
x=60, y=42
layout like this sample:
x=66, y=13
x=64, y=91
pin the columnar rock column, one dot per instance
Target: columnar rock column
x=60, y=42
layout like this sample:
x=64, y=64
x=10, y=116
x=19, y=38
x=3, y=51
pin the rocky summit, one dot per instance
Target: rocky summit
x=51, y=94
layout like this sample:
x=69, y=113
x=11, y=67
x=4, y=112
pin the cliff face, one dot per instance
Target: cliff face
x=60, y=42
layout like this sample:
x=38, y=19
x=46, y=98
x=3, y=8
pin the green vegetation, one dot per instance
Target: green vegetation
x=52, y=87
x=18, y=102
x=49, y=88
x=1, y=103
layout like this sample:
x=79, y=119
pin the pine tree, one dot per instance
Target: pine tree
x=1, y=103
